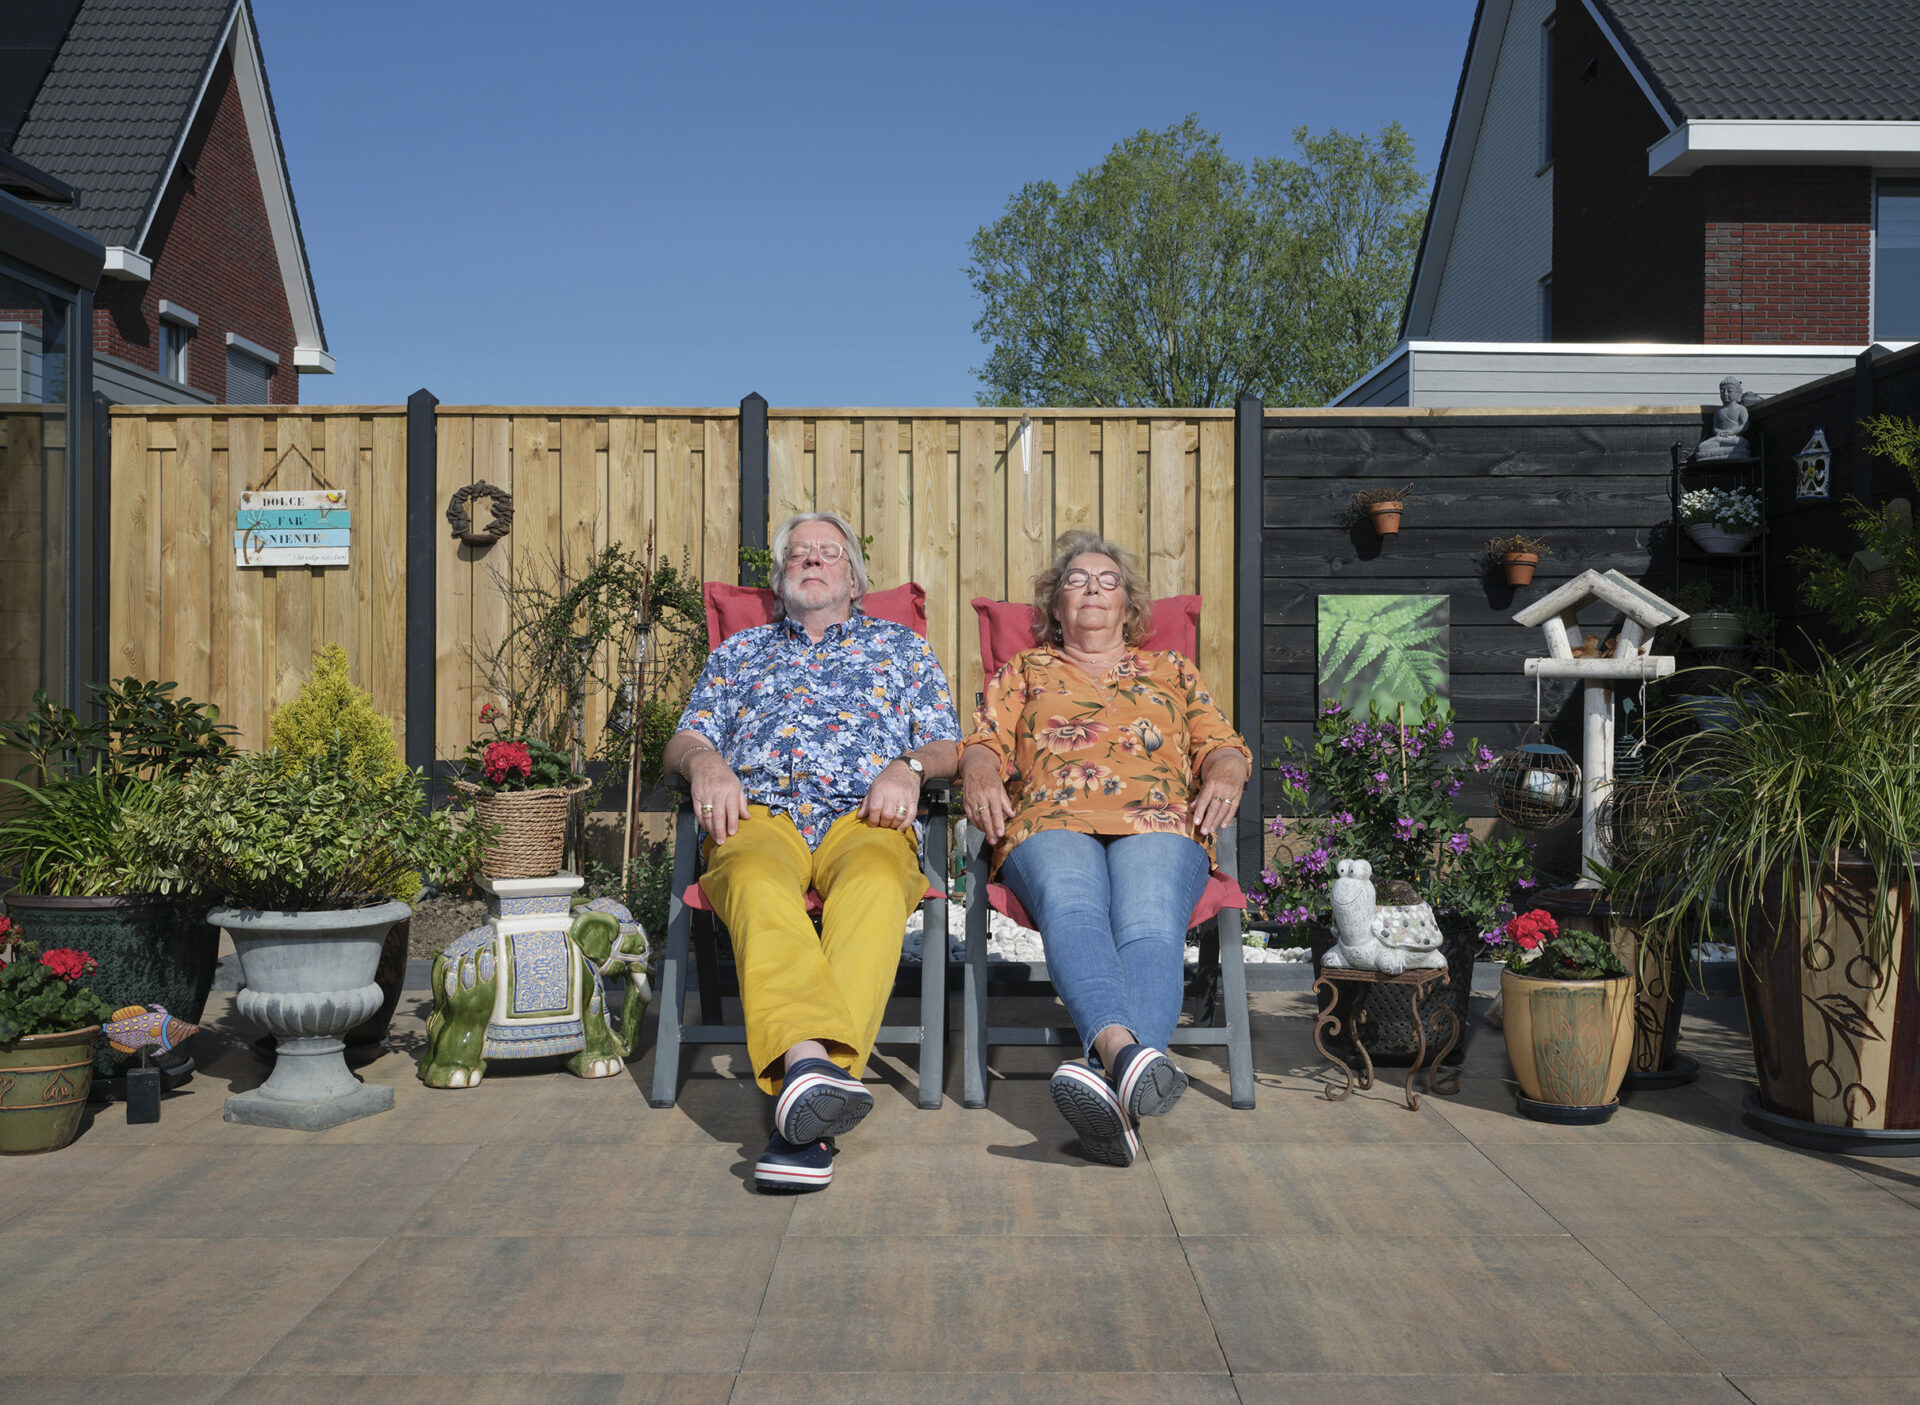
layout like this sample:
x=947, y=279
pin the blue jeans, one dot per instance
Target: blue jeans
x=1112, y=914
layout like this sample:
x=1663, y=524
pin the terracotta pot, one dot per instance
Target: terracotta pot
x=1570, y=1043
x=1659, y=986
x=1386, y=518
x=44, y=1080
x=1836, y=1040
x=1520, y=566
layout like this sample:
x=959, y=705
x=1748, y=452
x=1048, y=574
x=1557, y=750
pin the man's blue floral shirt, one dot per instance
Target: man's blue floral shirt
x=808, y=726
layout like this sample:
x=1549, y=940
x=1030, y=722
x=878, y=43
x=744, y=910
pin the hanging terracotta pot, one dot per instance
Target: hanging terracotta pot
x=1520, y=566
x=1386, y=517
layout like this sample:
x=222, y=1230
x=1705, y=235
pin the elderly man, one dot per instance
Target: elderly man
x=805, y=743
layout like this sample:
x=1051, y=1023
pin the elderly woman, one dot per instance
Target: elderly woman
x=1100, y=772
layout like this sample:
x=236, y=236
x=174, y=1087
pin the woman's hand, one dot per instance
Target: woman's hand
x=988, y=806
x=1223, y=775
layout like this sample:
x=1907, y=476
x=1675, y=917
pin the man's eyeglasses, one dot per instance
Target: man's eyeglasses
x=828, y=552
x=1077, y=579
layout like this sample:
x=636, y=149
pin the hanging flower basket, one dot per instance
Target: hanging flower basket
x=530, y=839
x=1716, y=542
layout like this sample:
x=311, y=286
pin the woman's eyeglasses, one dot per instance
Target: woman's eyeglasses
x=1077, y=579
x=826, y=551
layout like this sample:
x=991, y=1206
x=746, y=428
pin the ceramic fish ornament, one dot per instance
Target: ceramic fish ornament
x=137, y=1027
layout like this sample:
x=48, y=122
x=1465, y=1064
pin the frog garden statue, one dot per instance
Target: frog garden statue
x=529, y=984
x=1390, y=939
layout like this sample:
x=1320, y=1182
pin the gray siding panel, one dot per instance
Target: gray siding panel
x=124, y=383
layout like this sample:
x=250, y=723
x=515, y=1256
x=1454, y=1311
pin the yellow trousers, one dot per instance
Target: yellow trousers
x=795, y=983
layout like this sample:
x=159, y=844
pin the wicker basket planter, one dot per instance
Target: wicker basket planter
x=531, y=841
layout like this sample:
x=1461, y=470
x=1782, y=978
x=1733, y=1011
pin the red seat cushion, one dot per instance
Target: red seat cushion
x=732, y=608
x=1006, y=627
x=1221, y=891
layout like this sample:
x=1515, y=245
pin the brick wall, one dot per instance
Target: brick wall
x=212, y=253
x=1787, y=254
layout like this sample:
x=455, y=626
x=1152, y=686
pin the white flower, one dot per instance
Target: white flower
x=1729, y=509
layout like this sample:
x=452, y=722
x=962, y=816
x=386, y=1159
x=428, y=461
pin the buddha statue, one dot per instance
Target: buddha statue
x=1728, y=440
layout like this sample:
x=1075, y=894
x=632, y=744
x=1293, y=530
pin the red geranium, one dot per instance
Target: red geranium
x=503, y=761
x=68, y=964
x=1529, y=929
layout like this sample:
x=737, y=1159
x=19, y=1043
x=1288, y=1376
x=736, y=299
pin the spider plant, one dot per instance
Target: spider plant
x=1816, y=759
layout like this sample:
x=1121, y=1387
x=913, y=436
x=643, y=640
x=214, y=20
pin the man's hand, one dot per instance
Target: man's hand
x=719, y=802
x=1223, y=775
x=988, y=806
x=894, y=798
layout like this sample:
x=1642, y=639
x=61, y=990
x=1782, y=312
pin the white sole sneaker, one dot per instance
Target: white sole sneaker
x=1091, y=1109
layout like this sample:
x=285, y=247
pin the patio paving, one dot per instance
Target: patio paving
x=542, y=1238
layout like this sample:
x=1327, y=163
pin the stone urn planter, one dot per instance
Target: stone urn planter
x=44, y=1080
x=1570, y=1043
x=1659, y=984
x=308, y=978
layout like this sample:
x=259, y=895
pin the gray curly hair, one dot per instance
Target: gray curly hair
x=784, y=534
x=1047, y=587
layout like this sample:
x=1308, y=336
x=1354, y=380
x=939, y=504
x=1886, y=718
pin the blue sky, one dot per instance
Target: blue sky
x=637, y=204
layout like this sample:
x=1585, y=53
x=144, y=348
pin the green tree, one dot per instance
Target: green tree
x=1171, y=275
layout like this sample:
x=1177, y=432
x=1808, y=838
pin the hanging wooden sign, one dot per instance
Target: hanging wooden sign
x=308, y=528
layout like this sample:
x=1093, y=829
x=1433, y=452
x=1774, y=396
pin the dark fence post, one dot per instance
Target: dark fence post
x=1249, y=417
x=753, y=482
x=1862, y=409
x=422, y=454
x=99, y=559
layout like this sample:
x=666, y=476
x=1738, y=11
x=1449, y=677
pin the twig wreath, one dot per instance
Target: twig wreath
x=461, y=520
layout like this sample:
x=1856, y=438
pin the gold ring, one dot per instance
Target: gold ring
x=899, y=809
x=706, y=809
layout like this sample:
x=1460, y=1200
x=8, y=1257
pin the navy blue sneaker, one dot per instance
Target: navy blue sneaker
x=820, y=1099
x=784, y=1168
x=1146, y=1081
x=1092, y=1110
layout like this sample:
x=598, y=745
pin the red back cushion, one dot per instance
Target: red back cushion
x=732, y=608
x=1006, y=627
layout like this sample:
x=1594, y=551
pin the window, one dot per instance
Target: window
x=173, y=351
x=1896, y=261
x=1546, y=94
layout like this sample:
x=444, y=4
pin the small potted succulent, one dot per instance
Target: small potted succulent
x=1722, y=520
x=1383, y=506
x=1518, y=555
x=522, y=791
x=1567, y=1014
x=48, y=1022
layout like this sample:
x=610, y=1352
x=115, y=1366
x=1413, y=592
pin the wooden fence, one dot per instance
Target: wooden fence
x=960, y=500
x=33, y=454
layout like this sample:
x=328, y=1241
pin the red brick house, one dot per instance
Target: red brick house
x=1638, y=196
x=158, y=113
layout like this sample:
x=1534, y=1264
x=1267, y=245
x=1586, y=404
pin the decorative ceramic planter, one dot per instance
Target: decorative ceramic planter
x=1386, y=518
x=1659, y=986
x=1716, y=542
x=44, y=1080
x=1836, y=1040
x=307, y=978
x=151, y=951
x=1570, y=1043
x=1715, y=629
x=1520, y=566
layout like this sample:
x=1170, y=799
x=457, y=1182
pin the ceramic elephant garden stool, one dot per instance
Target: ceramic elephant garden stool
x=531, y=984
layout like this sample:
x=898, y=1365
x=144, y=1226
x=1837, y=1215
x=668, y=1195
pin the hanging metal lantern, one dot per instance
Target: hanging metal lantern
x=1535, y=786
x=1636, y=817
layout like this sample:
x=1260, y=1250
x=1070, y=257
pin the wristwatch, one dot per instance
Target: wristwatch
x=912, y=761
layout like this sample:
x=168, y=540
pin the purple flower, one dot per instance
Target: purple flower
x=1277, y=825
x=1526, y=883
x=1404, y=828
x=1460, y=842
x=1492, y=938
x=1293, y=776
x=1314, y=861
x=1343, y=820
x=1453, y=788
x=1446, y=737
x=1270, y=877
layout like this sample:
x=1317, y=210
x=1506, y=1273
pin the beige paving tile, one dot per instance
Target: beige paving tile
x=615, y=1112
x=1298, y=1189
x=556, y=1388
x=1486, y=1113
x=1898, y=1176
x=182, y=1191
x=1291, y=1107
x=459, y=1305
x=674, y=1190
x=165, y=1305
x=1829, y=1390
x=996, y=1304
x=1370, y=1304
x=420, y=1116
x=1471, y=1390
x=937, y=1388
x=1694, y=1188
x=1777, y=1305
x=896, y=1188
x=116, y=1390
x=31, y=1184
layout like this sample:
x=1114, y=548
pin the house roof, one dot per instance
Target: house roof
x=1774, y=60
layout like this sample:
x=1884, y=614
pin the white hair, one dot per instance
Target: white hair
x=784, y=533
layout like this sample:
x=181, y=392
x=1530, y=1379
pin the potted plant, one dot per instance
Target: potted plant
x=522, y=791
x=1802, y=818
x=303, y=853
x=1722, y=520
x=79, y=879
x=48, y=1022
x=1518, y=555
x=1383, y=789
x=1383, y=506
x=1567, y=1014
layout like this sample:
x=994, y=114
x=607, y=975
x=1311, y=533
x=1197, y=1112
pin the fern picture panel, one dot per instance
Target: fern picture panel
x=1383, y=649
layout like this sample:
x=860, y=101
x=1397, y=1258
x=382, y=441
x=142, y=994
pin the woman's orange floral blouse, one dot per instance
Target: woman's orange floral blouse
x=1119, y=755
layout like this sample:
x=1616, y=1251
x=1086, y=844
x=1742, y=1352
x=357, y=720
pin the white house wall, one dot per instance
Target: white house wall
x=1502, y=239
